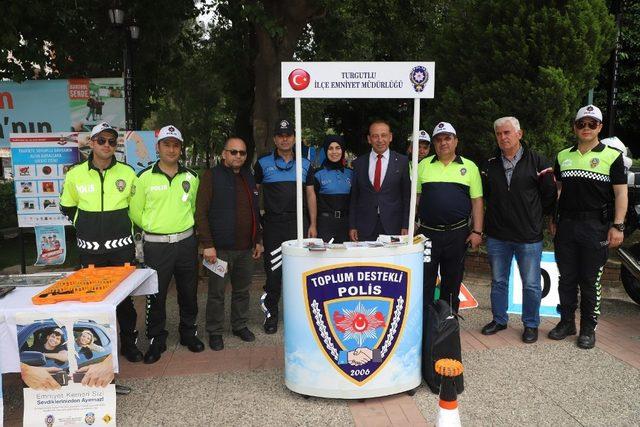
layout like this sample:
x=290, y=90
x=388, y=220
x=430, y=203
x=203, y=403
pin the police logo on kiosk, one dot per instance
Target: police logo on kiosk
x=419, y=77
x=186, y=186
x=595, y=162
x=357, y=313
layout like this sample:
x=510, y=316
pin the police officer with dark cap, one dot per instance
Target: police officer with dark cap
x=591, y=208
x=95, y=197
x=275, y=174
x=333, y=186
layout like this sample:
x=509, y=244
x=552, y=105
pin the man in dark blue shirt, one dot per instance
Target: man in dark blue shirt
x=275, y=174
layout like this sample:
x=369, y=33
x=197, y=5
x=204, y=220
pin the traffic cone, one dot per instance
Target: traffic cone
x=448, y=415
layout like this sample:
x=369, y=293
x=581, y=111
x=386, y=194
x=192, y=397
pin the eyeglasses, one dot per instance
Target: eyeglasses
x=102, y=141
x=582, y=124
x=242, y=153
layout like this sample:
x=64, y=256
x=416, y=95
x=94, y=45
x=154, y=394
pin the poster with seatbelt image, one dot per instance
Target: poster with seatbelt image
x=548, y=281
x=67, y=365
x=40, y=163
x=51, y=245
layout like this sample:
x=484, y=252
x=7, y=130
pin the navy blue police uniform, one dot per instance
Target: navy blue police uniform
x=277, y=179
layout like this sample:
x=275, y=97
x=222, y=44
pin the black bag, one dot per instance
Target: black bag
x=441, y=341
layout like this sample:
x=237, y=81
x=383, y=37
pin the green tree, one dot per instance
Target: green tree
x=533, y=60
x=69, y=38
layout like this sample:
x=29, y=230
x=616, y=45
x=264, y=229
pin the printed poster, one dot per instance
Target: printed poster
x=51, y=245
x=40, y=163
x=140, y=149
x=66, y=364
x=47, y=106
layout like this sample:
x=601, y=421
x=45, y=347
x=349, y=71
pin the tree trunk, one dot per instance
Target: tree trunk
x=293, y=16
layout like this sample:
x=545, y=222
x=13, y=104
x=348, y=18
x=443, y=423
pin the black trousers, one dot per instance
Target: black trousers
x=125, y=312
x=581, y=248
x=448, y=249
x=377, y=230
x=330, y=227
x=275, y=231
x=178, y=260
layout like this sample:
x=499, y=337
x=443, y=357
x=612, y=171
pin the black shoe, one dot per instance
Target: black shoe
x=192, y=343
x=563, y=330
x=587, y=339
x=123, y=389
x=270, y=325
x=492, y=328
x=530, y=335
x=155, y=351
x=216, y=343
x=128, y=347
x=245, y=334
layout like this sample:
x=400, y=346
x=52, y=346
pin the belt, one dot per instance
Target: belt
x=168, y=238
x=446, y=227
x=334, y=214
x=581, y=215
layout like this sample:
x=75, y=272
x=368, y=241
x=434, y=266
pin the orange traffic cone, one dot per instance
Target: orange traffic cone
x=448, y=415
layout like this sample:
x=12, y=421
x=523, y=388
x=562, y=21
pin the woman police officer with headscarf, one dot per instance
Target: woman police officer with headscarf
x=332, y=184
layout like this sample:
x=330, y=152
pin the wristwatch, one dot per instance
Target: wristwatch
x=479, y=233
x=619, y=227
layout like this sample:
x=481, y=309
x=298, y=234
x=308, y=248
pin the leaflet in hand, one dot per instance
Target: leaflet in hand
x=219, y=267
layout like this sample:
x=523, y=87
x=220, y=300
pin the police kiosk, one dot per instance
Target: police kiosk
x=353, y=316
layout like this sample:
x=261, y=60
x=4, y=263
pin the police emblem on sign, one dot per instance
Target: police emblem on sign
x=595, y=162
x=419, y=77
x=357, y=313
x=186, y=186
x=121, y=185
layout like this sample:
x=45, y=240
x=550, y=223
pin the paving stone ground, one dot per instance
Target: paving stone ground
x=506, y=382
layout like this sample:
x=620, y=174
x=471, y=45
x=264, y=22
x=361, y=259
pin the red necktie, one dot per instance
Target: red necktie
x=378, y=173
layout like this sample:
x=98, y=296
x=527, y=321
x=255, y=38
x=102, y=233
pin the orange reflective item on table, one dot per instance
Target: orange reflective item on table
x=90, y=284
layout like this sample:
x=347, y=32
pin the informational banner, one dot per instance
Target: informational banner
x=140, y=149
x=549, y=281
x=45, y=106
x=41, y=161
x=413, y=79
x=67, y=366
x=353, y=325
x=51, y=245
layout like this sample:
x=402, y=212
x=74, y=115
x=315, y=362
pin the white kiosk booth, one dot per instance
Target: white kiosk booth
x=353, y=316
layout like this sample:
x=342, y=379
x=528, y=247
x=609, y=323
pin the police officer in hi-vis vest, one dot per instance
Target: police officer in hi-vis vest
x=591, y=208
x=163, y=206
x=95, y=196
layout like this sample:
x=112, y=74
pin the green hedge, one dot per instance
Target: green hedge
x=8, y=216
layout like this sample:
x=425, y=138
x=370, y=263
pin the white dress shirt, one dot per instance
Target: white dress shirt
x=373, y=159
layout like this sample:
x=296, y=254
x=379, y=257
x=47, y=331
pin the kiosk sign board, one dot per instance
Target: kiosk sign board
x=358, y=79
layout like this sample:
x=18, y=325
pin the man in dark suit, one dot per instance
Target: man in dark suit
x=380, y=190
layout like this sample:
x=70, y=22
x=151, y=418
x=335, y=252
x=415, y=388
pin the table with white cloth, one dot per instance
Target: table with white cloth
x=143, y=281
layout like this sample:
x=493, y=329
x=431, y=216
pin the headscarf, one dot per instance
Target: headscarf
x=325, y=146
